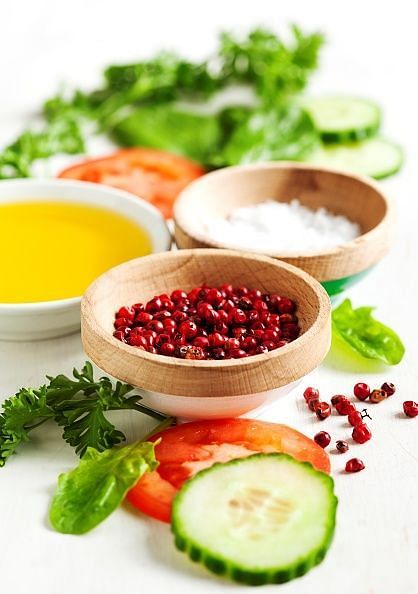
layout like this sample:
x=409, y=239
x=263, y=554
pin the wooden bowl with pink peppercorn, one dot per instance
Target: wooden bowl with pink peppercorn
x=196, y=388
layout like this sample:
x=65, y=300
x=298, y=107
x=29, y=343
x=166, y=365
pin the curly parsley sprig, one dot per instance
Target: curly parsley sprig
x=78, y=405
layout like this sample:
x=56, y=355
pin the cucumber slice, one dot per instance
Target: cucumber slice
x=259, y=520
x=375, y=157
x=340, y=119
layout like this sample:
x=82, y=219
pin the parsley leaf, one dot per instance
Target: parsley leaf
x=21, y=413
x=78, y=405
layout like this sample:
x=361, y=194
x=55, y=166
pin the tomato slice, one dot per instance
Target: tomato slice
x=154, y=175
x=186, y=449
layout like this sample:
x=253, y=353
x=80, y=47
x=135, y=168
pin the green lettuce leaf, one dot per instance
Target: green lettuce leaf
x=366, y=335
x=169, y=128
x=286, y=133
x=89, y=493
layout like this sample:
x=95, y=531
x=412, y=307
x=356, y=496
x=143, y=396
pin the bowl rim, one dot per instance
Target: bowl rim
x=362, y=239
x=85, y=187
x=323, y=314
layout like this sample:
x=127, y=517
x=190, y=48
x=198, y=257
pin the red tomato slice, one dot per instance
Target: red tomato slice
x=154, y=175
x=186, y=449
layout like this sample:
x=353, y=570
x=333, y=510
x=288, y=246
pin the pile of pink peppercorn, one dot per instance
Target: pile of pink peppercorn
x=209, y=323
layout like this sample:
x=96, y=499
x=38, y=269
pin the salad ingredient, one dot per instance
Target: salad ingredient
x=274, y=70
x=35, y=272
x=259, y=520
x=361, y=391
x=262, y=60
x=188, y=448
x=323, y=439
x=313, y=403
x=59, y=135
x=342, y=446
x=355, y=418
x=376, y=157
x=354, y=465
x=311, y=394
x=323, y=410
x=78, y=405
x=339, y=119
x=301, y=229
x=89, y=493
x=271, y=135
x=388, y=388
x=236, y=320
x=172, y=129
x=366, y=335
x=344, y=406
x=410, y=408
x=361, y=433
x=154, y=175
x=377, y=396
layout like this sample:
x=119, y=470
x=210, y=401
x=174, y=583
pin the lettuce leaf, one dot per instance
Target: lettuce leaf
x=366, y=335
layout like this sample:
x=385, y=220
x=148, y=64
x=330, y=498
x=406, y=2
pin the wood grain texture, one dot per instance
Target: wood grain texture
x=141, y=279
x=356, y=197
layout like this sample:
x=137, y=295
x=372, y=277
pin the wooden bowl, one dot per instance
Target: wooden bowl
x=139, y=280
x=358, y=198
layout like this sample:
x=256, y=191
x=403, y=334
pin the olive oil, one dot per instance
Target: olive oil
x=54, y=250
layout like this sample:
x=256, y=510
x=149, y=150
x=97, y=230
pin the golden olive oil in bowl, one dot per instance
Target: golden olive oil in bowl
x=56, y=237
x=54, y=250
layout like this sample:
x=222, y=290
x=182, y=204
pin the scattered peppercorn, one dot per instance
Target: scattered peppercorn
x=323, y=439
x=361, y=433
x=377, y=396
x=322, y=410
x=313, y=403
x=354, y=465
x=311, y=394
x=342, y=446
x=389, y=388
x=355, y=418
x=344, y=406
x=335, y=399
x=410, y=408
x=361, y=391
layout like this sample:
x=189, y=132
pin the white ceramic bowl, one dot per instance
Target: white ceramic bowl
x=49, y=319
x=204, y=407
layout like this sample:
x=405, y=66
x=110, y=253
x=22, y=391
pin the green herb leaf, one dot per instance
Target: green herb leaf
x=275, y=69
x=62, y=135
x=22, y=413
x=366, y=335
x=89, y=493
x=78, y=405
x=287, y=133
x=171, y=129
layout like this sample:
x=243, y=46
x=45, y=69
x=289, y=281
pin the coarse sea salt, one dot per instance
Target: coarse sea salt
x=272, y=226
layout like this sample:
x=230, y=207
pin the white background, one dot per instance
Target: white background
x=371, y=50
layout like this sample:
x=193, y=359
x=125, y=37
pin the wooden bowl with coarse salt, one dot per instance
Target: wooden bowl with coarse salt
x=357, y=198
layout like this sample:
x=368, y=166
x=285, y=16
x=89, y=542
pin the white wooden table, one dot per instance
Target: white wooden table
x=375, y=550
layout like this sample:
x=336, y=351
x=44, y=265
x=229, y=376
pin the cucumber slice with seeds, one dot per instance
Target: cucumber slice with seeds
x=375, y=157
x=259, y=520
x=340, y=119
